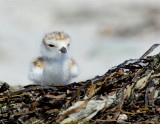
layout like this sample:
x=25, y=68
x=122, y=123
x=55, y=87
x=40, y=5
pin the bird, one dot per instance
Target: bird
x=54, y=66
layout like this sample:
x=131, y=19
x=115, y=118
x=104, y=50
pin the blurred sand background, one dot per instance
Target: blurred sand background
x=104, y=33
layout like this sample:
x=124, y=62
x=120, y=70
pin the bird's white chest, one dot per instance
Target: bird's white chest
x=56, y=72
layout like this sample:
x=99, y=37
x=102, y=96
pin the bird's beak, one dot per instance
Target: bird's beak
x=63, y=50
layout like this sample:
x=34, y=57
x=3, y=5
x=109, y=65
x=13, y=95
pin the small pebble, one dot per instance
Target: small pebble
x=122, y=118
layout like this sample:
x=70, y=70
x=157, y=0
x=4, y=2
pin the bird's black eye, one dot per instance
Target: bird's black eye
x=51, y=45
x=68, y=45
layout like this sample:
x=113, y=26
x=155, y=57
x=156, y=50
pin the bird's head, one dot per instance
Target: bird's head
x=55, y=44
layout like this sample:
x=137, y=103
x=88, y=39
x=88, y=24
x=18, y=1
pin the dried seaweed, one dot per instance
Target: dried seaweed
x=127, y=93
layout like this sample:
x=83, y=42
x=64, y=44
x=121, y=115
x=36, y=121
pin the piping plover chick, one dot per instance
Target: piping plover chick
x=54, y=66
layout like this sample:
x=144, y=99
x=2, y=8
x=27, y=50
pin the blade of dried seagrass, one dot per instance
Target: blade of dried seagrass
x=149, y=50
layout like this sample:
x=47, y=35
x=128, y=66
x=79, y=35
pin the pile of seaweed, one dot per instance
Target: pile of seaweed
x=127, y=93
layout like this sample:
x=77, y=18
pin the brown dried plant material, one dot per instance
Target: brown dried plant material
x=73, y=111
